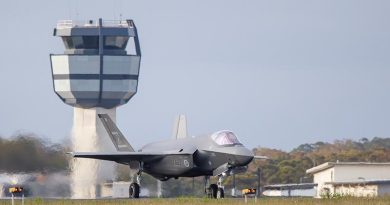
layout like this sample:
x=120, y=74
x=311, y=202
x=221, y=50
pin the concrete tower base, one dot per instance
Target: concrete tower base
x=89, y=135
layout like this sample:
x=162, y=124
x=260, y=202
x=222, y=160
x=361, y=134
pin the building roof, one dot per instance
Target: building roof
x=291, y=186
x=361, y=182
x=328, y=165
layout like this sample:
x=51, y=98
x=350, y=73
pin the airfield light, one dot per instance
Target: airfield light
x=249, y=192
x=13, y=190
x=16, y=190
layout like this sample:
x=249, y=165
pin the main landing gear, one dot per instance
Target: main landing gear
x=215, y=191
x=135, y=188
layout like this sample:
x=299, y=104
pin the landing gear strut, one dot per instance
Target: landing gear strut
x=135, y=187
x=221, y=188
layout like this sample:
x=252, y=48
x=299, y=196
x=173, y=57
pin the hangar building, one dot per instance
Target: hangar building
x=351, y=178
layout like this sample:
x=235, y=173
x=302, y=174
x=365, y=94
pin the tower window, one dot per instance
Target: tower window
x=81, y=42
x=115, y=42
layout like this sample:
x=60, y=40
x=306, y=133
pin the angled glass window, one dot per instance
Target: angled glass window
x=77, y=42
x=91, y=42
x=225, y=138
x=81, y=42
x=115, y=42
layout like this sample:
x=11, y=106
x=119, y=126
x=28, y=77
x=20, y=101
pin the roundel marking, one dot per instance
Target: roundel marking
x=186, y=163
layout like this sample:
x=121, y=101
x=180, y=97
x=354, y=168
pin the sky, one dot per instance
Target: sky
x=279, y=73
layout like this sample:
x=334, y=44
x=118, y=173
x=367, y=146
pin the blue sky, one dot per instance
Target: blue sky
x=279, y=73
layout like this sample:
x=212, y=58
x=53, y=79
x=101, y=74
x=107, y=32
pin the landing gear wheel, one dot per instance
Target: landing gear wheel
x=134, y=190
x=213, y=189
x=220, y=193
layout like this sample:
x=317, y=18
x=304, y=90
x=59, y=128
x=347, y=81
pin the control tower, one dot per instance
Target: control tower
x=95, y=74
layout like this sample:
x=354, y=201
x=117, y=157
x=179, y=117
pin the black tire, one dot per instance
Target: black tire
x=213, y=189
x=134, y=190
x=220, y=193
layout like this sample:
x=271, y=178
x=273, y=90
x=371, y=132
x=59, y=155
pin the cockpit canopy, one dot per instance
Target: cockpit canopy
x=225, y=137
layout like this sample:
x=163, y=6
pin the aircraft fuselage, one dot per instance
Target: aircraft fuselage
x=207, y=156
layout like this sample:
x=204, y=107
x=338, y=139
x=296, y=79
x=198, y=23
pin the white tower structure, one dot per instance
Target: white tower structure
x=95, y=75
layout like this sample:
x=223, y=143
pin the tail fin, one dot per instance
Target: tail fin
x=117, y=138
x=180, y=127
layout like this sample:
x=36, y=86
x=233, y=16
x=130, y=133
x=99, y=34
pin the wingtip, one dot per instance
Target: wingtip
x=70, y=153
x=261, y=157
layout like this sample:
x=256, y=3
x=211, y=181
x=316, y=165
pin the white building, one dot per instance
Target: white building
x=290, y=190
x=351, y=178
x=120, y=189
x=362, y=189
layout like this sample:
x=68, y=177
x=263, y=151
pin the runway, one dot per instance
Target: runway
x=196, y=201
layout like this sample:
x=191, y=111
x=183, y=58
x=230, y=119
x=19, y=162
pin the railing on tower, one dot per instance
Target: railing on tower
x=106, y=23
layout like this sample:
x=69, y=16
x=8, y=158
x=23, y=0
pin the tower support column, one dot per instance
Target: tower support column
x=89, y=135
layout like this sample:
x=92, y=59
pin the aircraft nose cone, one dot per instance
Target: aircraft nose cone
x=245, y=157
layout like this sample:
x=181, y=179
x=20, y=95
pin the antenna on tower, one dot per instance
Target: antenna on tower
x=77, y=11
x=120, y=10
x=70, y=9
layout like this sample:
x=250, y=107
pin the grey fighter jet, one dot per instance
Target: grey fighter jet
x=219, y=154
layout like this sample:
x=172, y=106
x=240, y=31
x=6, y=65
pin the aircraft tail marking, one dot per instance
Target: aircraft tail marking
x=117, y=138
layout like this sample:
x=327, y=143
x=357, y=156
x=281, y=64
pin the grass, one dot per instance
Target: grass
x=196, y=201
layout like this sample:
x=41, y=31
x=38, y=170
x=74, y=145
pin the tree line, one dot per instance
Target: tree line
x=25, y=153
x=290, y=167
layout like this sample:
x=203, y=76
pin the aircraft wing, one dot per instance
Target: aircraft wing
x=125, y=157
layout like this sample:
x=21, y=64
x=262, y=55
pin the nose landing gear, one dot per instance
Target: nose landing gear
x=216, y=191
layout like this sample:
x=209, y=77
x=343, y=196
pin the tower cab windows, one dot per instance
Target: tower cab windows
x=81, y=42
x=225, y=138
x=92, y=42
x=103, y=70
x=115, y=42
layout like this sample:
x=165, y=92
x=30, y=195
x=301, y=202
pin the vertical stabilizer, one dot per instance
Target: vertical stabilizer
x=180, y=127
x=120, y=142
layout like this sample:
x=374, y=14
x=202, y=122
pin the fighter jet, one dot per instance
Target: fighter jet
x=219, y=154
